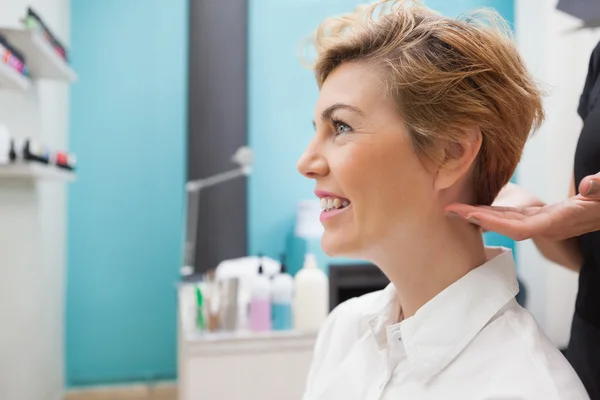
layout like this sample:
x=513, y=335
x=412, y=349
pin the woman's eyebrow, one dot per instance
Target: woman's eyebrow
x=326, y=114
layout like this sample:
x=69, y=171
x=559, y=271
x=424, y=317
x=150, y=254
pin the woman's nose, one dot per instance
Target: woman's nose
x=312, y=164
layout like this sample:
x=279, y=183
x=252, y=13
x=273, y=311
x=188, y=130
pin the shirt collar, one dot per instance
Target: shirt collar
x=445, y=325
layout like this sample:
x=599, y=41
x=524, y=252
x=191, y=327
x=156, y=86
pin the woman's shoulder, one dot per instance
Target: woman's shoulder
x=526, y=358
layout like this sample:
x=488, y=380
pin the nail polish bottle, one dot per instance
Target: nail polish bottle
x=34, y=151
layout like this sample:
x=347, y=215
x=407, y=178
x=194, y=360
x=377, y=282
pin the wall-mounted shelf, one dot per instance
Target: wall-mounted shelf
x=23, y=170
x=10, y=79
x=40, y=57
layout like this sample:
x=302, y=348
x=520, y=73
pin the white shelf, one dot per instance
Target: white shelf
x=238, y=343
x=23, y=170
x=40, y=57
x=11, y=79
x=246, y=335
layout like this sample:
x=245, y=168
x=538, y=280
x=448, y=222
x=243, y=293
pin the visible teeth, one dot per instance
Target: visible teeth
x=329, y=203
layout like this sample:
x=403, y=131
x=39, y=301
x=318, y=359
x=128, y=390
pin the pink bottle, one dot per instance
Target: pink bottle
x=260, y=303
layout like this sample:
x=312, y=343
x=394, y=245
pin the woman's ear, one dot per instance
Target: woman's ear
x=458, y=158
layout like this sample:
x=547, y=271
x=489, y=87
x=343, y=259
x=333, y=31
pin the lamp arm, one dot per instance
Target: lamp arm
x=193, y=189
x=197, y=185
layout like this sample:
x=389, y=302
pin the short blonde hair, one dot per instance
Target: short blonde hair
x=446, y=75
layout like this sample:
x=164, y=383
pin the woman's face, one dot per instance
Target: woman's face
x=361, y=155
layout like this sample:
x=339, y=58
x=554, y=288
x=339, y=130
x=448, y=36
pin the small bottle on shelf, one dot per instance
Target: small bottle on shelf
x=311, y=298
x=12, y=153
x=260, y=302
x=34, y=151
x=5, y=145
x=282, y=294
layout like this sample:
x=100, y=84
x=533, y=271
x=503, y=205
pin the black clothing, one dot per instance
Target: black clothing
x=584, y=345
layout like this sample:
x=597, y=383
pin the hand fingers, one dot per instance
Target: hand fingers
x=507, y=221
x=461, y=209
x=499, y=208
x=511, y=211
x=590, y=186
x=515, y=228
x=465, y=210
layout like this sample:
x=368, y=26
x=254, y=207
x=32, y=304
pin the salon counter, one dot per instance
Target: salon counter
x=241, y=365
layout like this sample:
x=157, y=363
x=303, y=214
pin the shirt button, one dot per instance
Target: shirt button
x=397, y=336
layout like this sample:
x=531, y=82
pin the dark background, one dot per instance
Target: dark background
x=217, y=120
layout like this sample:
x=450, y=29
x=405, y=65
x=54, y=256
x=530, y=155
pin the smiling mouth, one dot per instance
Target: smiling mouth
x=333, y=203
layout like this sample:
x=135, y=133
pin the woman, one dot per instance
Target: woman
x=417, y=112
x=567, y=233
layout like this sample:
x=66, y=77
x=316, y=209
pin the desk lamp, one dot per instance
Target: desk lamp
x=243, y=158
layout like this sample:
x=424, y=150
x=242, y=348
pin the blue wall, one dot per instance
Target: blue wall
x=456, y=7
x=282, y=95
x=128, y=127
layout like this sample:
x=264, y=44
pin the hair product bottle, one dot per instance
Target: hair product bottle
x=311, y=299
x=282, y=292
x=260, y=302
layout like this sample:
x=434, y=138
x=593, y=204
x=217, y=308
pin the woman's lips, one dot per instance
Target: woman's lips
x=340, y=205
x=322, y=193
x=327, y=215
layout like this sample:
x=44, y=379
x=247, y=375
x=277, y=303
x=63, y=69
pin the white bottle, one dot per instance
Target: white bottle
x=4, y=144
x=282, y=297
x=311, y=300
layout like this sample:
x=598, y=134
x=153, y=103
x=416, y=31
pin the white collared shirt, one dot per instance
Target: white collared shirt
x=472, y=341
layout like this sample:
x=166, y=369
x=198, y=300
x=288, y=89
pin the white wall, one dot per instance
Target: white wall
x=32, y=234
x=558, y=56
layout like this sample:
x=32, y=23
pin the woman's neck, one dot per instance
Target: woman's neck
x=421, y=268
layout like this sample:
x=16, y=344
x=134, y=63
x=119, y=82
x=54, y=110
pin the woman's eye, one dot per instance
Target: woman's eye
x=341, y=128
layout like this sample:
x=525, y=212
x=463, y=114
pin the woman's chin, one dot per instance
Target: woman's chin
x=337, y=245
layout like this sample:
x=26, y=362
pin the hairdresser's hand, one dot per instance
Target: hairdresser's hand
x=520, y=215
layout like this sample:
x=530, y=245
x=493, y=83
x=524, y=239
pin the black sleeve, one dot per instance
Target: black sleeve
x=592, y=76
